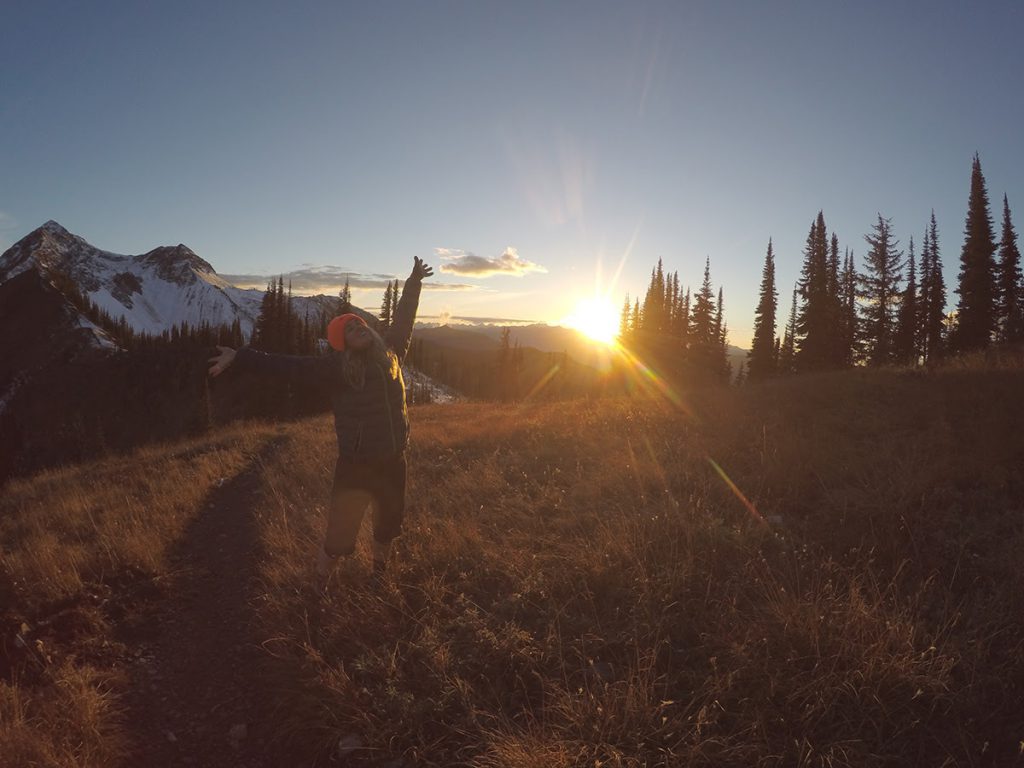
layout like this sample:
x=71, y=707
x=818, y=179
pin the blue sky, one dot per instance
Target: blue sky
x=555, y=140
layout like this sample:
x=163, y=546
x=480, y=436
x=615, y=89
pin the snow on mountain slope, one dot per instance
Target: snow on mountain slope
x=169, y=285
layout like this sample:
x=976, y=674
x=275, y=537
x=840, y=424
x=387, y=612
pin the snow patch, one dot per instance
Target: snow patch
x=417, y=382
x=98, y=336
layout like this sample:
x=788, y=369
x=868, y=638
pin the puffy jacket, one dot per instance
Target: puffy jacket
x=372, y=423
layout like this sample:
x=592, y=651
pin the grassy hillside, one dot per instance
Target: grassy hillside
x=587, y=583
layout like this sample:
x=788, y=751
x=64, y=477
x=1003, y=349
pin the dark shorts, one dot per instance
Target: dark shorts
x=379, y=485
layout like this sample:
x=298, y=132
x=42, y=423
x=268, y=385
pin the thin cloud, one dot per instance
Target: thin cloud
x=314, y=279
x=446, y=318
x=459, y=262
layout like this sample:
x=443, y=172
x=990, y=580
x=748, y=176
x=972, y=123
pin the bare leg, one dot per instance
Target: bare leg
x=344, y=518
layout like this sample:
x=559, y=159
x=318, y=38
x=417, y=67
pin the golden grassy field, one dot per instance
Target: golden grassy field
x=822, y=571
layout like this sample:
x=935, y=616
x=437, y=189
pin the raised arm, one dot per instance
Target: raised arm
x=399, y=335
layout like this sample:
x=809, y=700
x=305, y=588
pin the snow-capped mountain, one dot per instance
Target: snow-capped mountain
x=169, y=285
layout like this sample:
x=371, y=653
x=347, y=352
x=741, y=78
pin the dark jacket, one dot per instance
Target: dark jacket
x=372, y=423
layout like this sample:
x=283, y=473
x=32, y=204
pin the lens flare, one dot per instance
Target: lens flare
x=650, y=381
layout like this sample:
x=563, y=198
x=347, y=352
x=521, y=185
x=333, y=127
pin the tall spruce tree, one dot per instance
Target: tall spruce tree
x=653, y=311
x=815, y=318
x=684, y=320
x=702, y=316
x=705, y=330
x=386, y=308
x=905, y=345
x=836, y=338
x=1010, y=315
x=976, y=309
x=762, y=363
x=848, y=310
x=932, y=295
x=879, y=288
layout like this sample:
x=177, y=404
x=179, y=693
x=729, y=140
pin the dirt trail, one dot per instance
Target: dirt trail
x=197, y=696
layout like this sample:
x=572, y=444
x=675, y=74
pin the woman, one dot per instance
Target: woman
x=364, y=374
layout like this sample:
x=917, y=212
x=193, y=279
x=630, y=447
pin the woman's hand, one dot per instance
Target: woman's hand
x=420, y=269
x=220, y=363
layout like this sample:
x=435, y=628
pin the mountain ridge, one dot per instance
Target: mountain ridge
x=167, y=286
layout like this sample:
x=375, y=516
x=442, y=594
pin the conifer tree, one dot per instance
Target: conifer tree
x=292, y=325
x=933, y=295
x=718, y=315
x=1010, y=318
x=907, y=321
x=386, y=308
x=653, y=311
x=833, y=267
x=762, y=362
x=837, y=348
x=345, y=304
x=705, y=329
x=722, y=329
x=848, y=310
x=264, y=320
x=634, y=322
x=787, y=349
x=283, y=319
x=394, y=299
x=879, y=288
x=976, y=310
x=646, y=308
x=702, y=320
x=672, y=301
x=815, y=318
x=624, y=321
x=742, y=374
x=684, y=320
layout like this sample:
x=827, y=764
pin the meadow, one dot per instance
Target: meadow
x=816, y=571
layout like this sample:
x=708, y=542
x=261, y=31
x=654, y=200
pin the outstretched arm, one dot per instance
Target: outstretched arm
x=400, y=334
x=275, y=365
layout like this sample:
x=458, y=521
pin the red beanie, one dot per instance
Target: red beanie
x=336, y=330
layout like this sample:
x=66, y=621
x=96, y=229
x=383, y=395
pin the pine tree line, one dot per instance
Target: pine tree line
x=389, y=305
x=279, y=329
x=893, y=310
x=679, y=331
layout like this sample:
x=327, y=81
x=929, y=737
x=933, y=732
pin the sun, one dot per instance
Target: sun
x=597, y=318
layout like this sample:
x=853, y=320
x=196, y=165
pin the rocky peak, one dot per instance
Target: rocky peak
x=175, y=263
x=55, y=227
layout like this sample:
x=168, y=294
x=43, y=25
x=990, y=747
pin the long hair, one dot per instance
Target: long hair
x=354, y=363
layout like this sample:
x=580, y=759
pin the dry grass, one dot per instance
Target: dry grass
x=82, y=547
x=71, y=720
x=579, y=586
